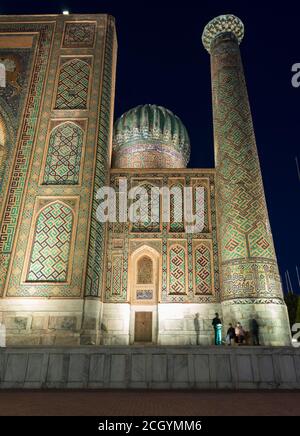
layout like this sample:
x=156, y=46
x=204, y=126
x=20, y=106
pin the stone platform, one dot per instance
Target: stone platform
x=149, y=367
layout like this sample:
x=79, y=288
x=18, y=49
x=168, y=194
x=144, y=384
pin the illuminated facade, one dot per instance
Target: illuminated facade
x=68, y=279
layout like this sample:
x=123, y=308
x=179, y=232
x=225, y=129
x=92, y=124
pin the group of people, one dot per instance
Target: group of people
x=235, y=334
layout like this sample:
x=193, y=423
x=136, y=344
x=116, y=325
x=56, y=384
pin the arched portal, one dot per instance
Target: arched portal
x=144, y=290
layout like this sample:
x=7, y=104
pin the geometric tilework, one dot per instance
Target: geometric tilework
x=64, y=155
x=176, y=209
x=202, y=270
x=23, y=148
x=18, y=64
x=73, y=85
x=3, y=150
x=96, y=254
x=2, y=140
x=149, y=208
x=12, y=95
x=118, y=225
x=79, y=35
x=234, y=242
x=260, y=243
x=199, y=210
x=242, y=203
x=245, y=236
x=177, y=274
x=160, y=241
x=2, y=156
x=51, y=246
x=117, y=270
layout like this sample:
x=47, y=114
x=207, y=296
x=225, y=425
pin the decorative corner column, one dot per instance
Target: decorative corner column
x=251, y=285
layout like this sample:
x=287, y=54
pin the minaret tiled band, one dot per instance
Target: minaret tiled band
x=249, y=265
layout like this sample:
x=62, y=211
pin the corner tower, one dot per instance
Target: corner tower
x=251, y=285
x=56, y=119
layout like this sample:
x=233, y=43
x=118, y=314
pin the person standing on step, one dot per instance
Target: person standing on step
x=254, y=327
x=217, y=325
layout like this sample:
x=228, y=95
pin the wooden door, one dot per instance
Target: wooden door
x=143, y=327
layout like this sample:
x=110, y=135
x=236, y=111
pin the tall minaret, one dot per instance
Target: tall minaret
x=251, y=285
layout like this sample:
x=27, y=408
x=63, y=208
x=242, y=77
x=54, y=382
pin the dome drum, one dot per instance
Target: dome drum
x=150, y=136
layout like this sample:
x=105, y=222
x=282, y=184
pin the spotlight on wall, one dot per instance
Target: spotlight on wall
x=65, y=12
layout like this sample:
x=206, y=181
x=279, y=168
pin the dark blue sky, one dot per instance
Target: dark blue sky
x=161, y=60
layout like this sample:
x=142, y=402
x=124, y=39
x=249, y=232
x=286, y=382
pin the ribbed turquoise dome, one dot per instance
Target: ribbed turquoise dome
x=150, y=136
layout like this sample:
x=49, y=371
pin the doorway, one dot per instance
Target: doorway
x=143, y=327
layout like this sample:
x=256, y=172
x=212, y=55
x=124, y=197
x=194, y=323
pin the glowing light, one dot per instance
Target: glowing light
x=65, y=12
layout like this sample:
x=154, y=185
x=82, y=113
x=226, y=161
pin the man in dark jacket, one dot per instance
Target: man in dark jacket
x=254, y=327
x=217, y=325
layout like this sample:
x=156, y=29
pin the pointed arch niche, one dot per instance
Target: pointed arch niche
x=73, y=84
x=144, y=280
x=51, y=242
x=64, y=154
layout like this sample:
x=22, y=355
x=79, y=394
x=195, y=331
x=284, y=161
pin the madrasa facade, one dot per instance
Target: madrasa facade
x=68, y=278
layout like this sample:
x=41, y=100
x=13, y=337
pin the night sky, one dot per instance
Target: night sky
x=161, y=60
